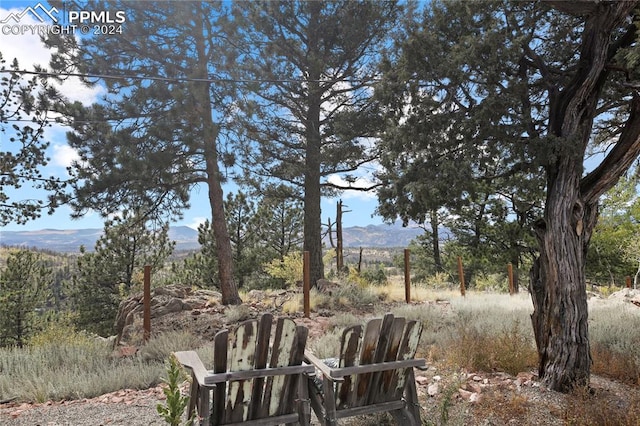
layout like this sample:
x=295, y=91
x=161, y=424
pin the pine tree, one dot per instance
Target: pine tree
x=158, y=133
x=311, y=68
x=24, y=288
x=114, y=269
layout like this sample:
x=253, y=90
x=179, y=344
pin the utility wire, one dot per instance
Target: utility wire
x=177, y=79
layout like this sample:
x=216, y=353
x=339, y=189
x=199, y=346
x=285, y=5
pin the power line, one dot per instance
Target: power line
x=178, y=79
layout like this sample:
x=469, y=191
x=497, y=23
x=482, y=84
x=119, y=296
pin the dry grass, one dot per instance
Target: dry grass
x=394, y=291
x=615, y=365
x=505, y=408
x=586, y=407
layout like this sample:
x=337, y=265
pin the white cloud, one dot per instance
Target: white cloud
x=196, y=222
x=29, y=51
x=361, y=182
x=64, y=155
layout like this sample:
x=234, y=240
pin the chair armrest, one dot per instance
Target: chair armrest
x=191, y=360
x=377, y=367
x=317, y=363
x=213, y=378
x=339, y=373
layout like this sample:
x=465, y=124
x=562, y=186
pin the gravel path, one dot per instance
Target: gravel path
x=126, y=407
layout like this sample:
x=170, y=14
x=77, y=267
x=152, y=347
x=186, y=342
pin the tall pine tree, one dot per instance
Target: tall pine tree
x=157, y=134
x=310, y=67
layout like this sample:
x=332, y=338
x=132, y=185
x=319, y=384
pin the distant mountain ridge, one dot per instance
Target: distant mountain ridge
x=70, y=240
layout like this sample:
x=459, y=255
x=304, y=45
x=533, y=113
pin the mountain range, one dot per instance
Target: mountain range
x=70, y=240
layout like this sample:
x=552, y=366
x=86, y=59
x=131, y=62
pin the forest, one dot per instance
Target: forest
x=516, y=125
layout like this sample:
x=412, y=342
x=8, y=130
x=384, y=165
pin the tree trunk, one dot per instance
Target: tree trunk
x=557, y=286
x=339, y=253
x=210, y=132
x=312, y=218
x=435, y=240
x=312, y=211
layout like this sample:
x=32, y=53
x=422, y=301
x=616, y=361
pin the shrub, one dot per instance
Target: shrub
x=59, y=331
x=491, y=282
x=586, y=408
x=350, y=295
x=236, y=313
x=80, y=367
x=343, y=320
x=160, y=346
x=614, y=333
x=439, y=280
x=289, y=269
x=175, y=404
x=375, y=276
x=514, y=350
x=328, y=345
x=484, y=337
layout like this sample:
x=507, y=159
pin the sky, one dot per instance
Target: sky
x=17, y=41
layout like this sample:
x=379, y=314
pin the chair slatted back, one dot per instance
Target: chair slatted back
x=383, y=340
x=246, y=348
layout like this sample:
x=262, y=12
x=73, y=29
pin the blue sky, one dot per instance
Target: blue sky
x=28, y=49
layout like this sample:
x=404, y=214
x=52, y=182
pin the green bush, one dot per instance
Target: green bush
x=375, y=276
x=175, y=404
x=289, y=269
x=491, y=283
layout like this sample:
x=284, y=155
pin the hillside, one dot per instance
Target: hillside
x=70, y=240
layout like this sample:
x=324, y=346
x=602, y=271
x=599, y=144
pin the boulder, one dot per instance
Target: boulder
x=164, y=301
x=326, y=286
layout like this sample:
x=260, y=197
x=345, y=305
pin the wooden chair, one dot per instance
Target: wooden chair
x=374, y=373
x=249, y=384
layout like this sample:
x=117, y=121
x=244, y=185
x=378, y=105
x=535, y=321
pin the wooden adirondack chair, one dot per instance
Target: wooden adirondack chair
x=249, y=384
x=374, y=373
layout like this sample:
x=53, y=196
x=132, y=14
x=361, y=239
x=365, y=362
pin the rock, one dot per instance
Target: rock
x=464, y=394
x=433, y=389
x=164, y=301
x=422, y=380
x=326, y=286
x=475, y=387
x=475, y=397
